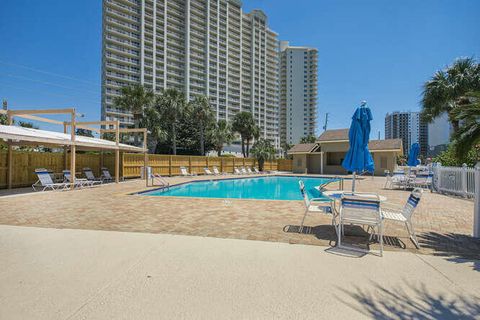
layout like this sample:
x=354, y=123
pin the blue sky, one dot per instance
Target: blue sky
x=377, y=50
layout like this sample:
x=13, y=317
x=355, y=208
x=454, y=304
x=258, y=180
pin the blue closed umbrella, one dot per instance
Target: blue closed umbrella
x=358, y=157
x=413, y=155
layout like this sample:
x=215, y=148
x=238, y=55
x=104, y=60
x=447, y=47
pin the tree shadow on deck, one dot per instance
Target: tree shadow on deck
x=458, y=248
x=414, y=303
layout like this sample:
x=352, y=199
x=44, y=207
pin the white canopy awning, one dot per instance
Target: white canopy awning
x=29, y=136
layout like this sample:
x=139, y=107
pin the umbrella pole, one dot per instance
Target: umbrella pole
x=353, y=182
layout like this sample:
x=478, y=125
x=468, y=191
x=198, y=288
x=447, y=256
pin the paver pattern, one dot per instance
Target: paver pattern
x=443, y=223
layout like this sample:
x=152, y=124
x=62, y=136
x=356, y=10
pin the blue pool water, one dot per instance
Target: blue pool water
x=266, y=188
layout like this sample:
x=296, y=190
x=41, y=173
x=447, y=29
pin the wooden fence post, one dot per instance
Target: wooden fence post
x=190, y=164
x=206, y=161
x=170, y=166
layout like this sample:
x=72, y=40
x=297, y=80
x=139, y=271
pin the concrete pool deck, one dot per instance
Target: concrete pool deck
x=83, y=274
x=443, y=224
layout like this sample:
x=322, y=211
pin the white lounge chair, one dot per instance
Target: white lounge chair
x=217, y=172
x=90, y=176
x=256, y=170
x=237, y=171
x=106, y=176
x=78, y=181
x=45, y=182
x=243, y=170
x=249, y=170
x=405, y=214
x=364, y=211
x=185, y=172
x=314, y=205
x=208, y=172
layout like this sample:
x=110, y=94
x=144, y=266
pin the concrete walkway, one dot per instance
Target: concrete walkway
x=79, y=274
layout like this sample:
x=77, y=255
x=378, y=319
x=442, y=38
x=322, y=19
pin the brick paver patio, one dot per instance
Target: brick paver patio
x=443, y=223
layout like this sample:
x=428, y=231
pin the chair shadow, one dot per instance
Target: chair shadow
x=354, y=235
x=418, y=303
x=458, y=248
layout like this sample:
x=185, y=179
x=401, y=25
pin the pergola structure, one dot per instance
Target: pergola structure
x=19, y=136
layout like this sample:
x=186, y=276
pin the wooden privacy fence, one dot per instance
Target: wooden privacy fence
x=25, y=163
x=168, y=165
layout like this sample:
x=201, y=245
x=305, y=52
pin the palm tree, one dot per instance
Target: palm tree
x=136, y=99
x=203, y=114
x=468, y=135
x=171, y=106
x=152, y=121
x=263, y=150
x=244, y=124
x=447, y=90
x=220, y=135
x=308, y=139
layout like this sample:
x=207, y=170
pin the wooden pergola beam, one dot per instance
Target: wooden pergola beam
x=124, y=130
x=38, y=111
x=36, y=118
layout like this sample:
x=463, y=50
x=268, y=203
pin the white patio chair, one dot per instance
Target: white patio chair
x=360, y=210
x=90, y=176
x=185, y=173
x=78, y=181
x=45, y=182
x=237, y=171
x=207, y=171
x=256, y=170
x=405, y=214
x=243, y=170
x=249, y=170
x=217, y=172
x=314, y=205
x=106, y=176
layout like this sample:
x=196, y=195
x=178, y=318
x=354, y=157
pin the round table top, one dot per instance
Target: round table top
x=337, y=195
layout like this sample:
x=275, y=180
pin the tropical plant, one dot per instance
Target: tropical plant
x=220, y=135
x=263, y=150
x=450, y=158
x=135, y=98
x=308, y=139
x=25, y=124
x=171, y=107
x=204, y=118
x=3, y=119
x=84, y=132
x=468, y=135
x=244, y=124
x=156, y=130
x=447, y=89
x=285, y=147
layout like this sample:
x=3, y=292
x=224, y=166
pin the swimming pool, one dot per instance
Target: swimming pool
x=265, y=188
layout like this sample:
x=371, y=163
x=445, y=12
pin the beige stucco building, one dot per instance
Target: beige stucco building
x=325, y=156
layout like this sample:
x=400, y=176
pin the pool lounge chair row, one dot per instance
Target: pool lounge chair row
x=215, y=172
x=46, y=180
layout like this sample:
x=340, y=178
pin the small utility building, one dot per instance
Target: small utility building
x=325, y=156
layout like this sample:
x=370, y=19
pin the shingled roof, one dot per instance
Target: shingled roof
x=334, y=135
x=387, y=144
x=303, y=148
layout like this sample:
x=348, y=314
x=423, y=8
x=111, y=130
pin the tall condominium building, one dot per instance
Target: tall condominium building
x=439, y=131
x=298, y=92
x=409, y=127
x=202, y=47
